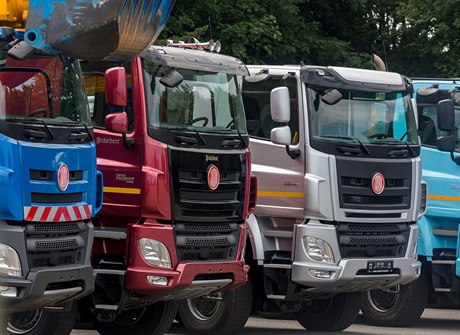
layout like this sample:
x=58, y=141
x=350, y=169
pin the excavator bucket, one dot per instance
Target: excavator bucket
x=113, y=30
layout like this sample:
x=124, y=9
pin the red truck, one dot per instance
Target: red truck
x=172, y=144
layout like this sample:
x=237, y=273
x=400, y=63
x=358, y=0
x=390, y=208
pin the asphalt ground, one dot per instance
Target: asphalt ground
x=433, y=322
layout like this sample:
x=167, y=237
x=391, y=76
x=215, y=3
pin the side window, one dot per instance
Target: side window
x=256, y=99
x=427, y=128
x=94, y=84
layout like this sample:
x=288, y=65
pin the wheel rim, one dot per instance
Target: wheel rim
x=384, y=301
x=204, y=309
x=23, y=323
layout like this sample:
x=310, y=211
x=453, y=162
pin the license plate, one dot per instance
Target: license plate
x=379, y=266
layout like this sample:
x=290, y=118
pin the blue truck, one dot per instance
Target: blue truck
x=49, y=190
x=49, y=186
x=439, y=241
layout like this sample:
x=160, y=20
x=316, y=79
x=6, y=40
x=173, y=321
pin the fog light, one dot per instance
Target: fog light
x=323, y=274
x=318, y=249
x=10, y=265
x=157, y=280
x=155, y=253
x=8, y=291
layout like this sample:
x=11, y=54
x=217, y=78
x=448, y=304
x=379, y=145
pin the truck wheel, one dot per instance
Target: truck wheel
x=39, y=322
x=398, y=306
x=155, y=319
x=224, y=317
x=3, y=323
x=334, y=314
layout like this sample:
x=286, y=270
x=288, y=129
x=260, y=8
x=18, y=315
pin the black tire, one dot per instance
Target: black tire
x=334, y=314
x=399, y=306
x=3, y=323
x=155, y=319
x=224, y=317
x=41, y=322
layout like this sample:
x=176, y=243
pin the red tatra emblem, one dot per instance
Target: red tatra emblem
x=378, y=183
x=63, y=177
x=213, y=177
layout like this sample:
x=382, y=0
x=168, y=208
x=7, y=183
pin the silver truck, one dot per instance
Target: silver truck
x=337, y=159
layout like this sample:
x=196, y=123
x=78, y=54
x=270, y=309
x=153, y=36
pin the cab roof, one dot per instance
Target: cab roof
x=201, y=60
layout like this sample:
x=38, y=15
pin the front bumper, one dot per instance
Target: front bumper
x=349, y=275
x=47, y=288
x=188, y=280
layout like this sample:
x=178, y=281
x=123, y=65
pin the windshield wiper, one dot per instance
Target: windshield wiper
x=202, y=140
x=48, y=131
x=242, y=139
x=390, y=140
x=353, y=139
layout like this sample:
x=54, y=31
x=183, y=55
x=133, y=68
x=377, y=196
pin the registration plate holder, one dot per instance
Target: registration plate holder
x=382, y=266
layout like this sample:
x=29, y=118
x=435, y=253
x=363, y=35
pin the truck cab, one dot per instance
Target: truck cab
x=439, y=241
x=175, y=156
x=337, y=159
x=50, y=189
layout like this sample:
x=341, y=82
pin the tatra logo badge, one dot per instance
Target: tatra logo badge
x=63, y=177
x=378, y=183
x=213, y=177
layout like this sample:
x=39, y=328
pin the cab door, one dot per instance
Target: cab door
x=280, y=178
x=118, y=155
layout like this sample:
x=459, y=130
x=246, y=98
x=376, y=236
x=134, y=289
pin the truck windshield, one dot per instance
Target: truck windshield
x=370, y=117
x=42, y=89
x=204, y=101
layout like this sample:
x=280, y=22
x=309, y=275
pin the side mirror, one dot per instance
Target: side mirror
x=172, y=79
x=446, y=115
x=280, y=105
x=117, y=122
x=331, y=97
x=446, y=143
x=281, y=135
x=116, y=94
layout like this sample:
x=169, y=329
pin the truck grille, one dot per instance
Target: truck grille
x=355, y=185
x=358, y=240
x=206, y=243
x=50, y=197
x=56, y=244
x=192, y=198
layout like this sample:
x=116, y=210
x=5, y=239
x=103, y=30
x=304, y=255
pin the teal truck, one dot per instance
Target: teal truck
x=439, y=241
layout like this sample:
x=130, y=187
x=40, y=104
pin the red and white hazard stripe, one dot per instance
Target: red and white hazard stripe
x=57, y=213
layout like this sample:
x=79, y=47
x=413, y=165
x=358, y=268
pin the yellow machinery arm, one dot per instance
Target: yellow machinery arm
x=13, y=13
x=116, y=30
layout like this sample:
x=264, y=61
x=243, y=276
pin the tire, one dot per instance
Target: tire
x=224, y=317
x=399, y=306
x=41, y=322
x=155, y=319
x=333, y=314
x=3, y=323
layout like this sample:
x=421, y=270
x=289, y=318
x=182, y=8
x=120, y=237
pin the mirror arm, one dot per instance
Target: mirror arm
x=293, y=153
x=455, y=159
x=128, y=142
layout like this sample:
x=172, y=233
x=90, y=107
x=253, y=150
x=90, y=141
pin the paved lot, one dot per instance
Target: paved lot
x=433, y=322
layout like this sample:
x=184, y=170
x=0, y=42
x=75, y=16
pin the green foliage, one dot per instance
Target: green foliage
x=414, y=37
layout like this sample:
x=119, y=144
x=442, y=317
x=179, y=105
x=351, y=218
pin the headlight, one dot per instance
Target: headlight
x=318, y=249
x=155, y=252
x=10, y=265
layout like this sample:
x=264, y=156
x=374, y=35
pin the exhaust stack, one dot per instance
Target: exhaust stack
x=378, y=63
